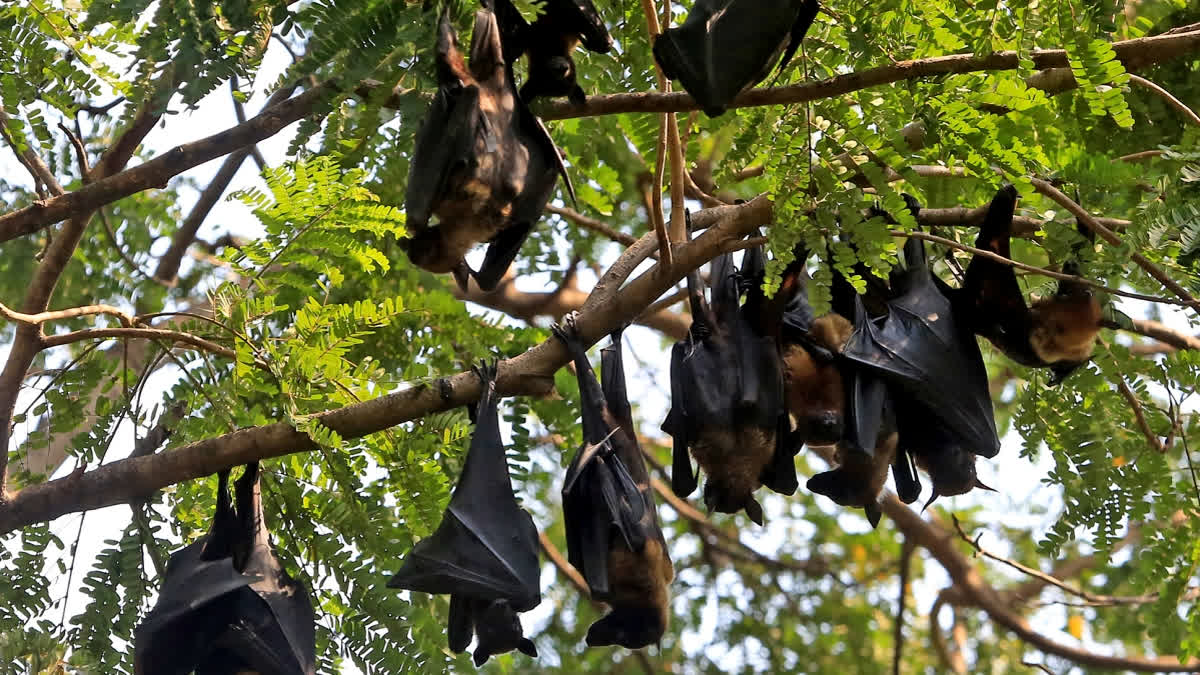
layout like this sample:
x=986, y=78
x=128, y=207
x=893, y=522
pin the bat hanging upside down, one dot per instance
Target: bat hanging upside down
x=725, y=46
x=728, y=408
x=226, y=604
x=613, y=535
x=549, y=41
x=485, y=551
x=1058, y=332
x=482, y=163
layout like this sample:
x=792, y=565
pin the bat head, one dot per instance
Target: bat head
x=629, y=627
x=499, y=631
x=952, y=470
x=718, y=497
x=1065, y=325
x=813, y=381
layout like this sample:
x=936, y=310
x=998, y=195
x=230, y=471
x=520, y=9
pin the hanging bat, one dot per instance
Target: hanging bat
x=549, y=41
x=613, y=535
x=227, y=605
x=727, y=403
x=1058, y=332
x=924, y=353
x=725, y=46
x=485, y=551
x=950, y=465
x=482, y=163
x=859, y=476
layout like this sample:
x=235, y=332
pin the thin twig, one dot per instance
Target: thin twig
x=1041, y=270
x=1090, y=221
x=1166, y=96
x=1140, y=415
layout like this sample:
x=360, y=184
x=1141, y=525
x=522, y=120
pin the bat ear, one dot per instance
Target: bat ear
x=481, y=657
x=527, y=647
x=754, y=511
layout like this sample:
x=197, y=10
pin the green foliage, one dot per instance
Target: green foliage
x=323, y=310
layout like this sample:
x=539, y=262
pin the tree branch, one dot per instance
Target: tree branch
x=529, y=373
x=1133, y=54
x=157, y=171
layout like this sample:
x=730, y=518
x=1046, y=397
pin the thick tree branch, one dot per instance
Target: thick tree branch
x=555, y=304
x=972, y=590
x=156, y=172
x=1133, y=54
x=529, y=373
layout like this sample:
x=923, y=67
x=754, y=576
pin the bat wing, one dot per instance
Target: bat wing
x=176, y=634
x=683, y=476
x=486, y=546
x=445, y=144
x=581, y=17
x=725, y=46
x=804, y=21
x=256, y=639
x=600, y=501
x=920, y=349
x=867, y=396
x=501, y=251
x=612, y=380
x=273, y=624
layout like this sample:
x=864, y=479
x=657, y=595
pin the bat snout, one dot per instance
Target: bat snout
x=559, y=67
x=825, y=428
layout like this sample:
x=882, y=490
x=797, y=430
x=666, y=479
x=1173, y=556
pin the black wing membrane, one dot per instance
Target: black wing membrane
x=178, y=633
x=274, y=622
x=482, y=164
x=485, y=551
x=727, y=408
x=226, y=604
x=921, y=351
x=613, y=534
x=725, y=46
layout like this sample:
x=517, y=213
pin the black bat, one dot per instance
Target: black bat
x=725, y=46
x=549, y=41
x=226, y=604
x=859, y=476
x=727, y=402
x=950, y=465
x=1058, y=332
x=483, y=164
x=924, y=353
x=484, y=554
x=613, y=535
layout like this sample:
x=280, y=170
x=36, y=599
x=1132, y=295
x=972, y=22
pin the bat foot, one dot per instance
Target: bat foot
x=568, y=329
x=577, y=97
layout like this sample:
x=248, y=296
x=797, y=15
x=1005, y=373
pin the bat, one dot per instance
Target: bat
x=727, y=402
x=484, y=553
x=859, y=476
x=950, y=465
x=923, y=352
x=226, y=604
x=549, y=41
x=1058, y=332
x=613, y=535
x=725, y=46
x=482, y=163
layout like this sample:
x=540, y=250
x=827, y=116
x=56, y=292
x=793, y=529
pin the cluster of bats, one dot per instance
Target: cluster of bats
x=484, y=165
x=893, y=378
